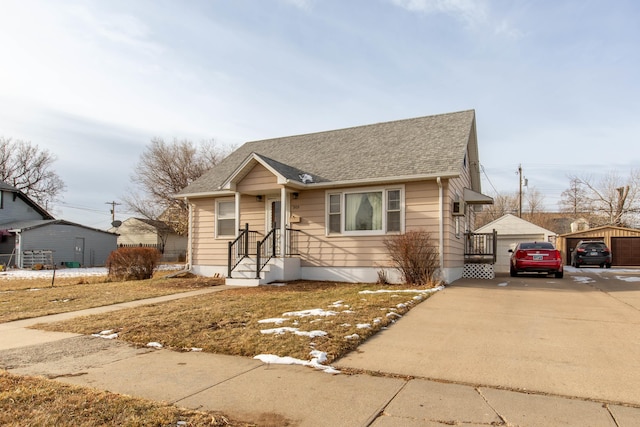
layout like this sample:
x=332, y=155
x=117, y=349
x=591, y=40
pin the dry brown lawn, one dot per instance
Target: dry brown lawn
x=229, y=322
x=28, y=298
x=31, y=401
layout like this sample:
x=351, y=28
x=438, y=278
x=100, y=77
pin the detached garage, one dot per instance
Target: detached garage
x=512, y=230
x=623, y=242
x=55, y=242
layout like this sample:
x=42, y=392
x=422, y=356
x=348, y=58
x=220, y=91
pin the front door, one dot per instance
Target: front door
x=274, y=219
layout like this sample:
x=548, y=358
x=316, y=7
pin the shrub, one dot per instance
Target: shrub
x=415, y=255
x=132, y=263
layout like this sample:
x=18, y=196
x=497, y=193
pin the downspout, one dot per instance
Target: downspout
x=441, y=226
x=187, y=265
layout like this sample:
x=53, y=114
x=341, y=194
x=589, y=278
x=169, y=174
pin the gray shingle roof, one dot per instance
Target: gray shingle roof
x=424, y=146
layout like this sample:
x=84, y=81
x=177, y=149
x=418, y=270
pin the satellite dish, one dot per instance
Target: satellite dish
x=116, y=223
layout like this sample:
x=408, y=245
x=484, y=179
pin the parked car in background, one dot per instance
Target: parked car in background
x=591, y=252
x=536, y=257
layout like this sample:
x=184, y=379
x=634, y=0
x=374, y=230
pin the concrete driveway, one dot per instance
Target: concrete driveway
x=576, y=337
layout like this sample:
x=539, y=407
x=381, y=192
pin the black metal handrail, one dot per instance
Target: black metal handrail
x=292, y=241
x=266, y=249
x=481, y=247
x=239, y=249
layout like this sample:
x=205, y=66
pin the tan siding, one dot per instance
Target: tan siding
x=258, y=179
x=206, y=249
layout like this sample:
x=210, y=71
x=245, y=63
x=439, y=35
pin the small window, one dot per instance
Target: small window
x=393, y=210
x=334, y=213
x=226, y=218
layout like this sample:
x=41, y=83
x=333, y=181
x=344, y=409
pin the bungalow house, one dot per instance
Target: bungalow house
x=29, y=236
x=320, y=206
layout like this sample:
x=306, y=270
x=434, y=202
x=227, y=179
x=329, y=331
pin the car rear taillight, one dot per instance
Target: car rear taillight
x=558, y=254
x=581, y=250
x=521, y=254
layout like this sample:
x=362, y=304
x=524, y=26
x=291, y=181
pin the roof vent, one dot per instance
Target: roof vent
x=306, y=178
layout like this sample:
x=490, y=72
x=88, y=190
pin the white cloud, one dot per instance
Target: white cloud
x=470, y=11
x=301, y=4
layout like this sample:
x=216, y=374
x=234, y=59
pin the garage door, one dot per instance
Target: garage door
x=506, y=242
x=625, y=251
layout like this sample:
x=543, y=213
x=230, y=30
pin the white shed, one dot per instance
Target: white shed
x=512, y=230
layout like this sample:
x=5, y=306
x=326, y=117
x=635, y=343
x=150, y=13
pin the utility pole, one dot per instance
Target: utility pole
x=113, y=209
x=520, y=191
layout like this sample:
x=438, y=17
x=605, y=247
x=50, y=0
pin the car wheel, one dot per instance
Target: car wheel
x=559, y=274
x=513, y=272
x=608, y=265
x=602, y=265
x=577, y=265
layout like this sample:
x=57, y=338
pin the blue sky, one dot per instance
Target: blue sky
x=553, y=83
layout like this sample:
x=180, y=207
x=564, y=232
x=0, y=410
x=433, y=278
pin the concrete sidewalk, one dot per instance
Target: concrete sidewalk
x=272, y=395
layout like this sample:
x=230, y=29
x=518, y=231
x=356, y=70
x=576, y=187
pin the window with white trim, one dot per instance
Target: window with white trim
x=374, y=211
x=225, y=218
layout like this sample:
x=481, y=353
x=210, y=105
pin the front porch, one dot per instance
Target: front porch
x=254, y=259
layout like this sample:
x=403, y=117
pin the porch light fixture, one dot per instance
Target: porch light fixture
x=258, y=198
x=295, y=195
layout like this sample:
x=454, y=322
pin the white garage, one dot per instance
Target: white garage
x=512, y=230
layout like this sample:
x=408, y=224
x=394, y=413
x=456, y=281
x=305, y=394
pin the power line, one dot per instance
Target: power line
x=113, y=209
x=488, y=180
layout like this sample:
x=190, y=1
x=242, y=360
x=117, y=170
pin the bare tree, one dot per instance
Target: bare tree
x=612, y=200
x=28, y=168
x=535, y=201
x=162, y=171
x=503, y=204
x=574, y=199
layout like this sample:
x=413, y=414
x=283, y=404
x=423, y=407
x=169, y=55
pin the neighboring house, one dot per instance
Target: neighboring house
x=338, y=195
x=623, y=242
x=30, y=235
x=512, y=230
x=136, y=232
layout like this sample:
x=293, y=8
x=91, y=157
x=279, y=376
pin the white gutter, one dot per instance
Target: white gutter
x=329, y=184
x=441, y=224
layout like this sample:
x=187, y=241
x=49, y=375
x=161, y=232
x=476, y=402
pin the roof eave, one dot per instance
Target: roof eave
x=221, y=192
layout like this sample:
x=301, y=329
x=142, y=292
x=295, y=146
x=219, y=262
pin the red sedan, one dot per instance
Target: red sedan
x=536, y=257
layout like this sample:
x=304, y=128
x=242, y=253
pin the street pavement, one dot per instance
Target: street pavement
x=526, y=351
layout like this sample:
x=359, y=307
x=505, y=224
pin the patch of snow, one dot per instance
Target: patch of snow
x=107, y=335
x=502, y=284
x=352, y=337
x=310, y=312
x=154, y=344
x=394, y=291
x=276, y=320
x=296, y=331
x=583, y=279
x=363, y=326
x=401, y=305
x=394, y=314
x=628, y=279
x=195, y=349
x=314, y=363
